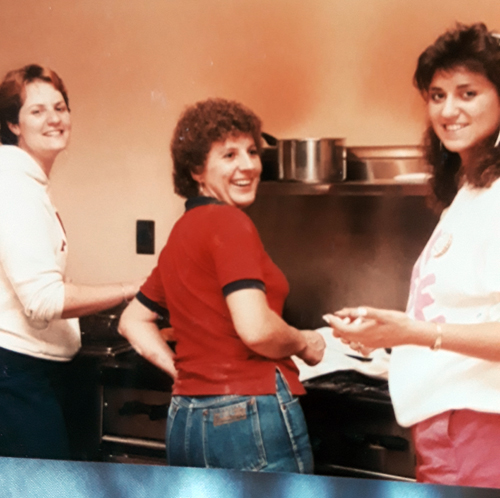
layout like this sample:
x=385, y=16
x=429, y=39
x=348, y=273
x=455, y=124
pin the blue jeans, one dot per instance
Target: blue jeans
x=266, y=433
x=31, y=420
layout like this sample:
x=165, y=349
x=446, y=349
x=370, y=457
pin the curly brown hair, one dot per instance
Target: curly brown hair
x=12, y=95
x=476, y=49
x=199, y=127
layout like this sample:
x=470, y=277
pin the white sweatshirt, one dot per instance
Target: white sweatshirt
x=33, y=252
x=455, y=280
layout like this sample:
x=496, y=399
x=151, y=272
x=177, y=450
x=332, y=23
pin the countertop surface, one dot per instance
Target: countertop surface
x=24, y=478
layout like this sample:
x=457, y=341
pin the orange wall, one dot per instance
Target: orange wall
x=337, y=68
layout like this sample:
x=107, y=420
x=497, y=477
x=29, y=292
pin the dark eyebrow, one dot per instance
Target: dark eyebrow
x=459, y=87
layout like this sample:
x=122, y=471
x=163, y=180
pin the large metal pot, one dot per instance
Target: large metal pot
x=309, y=160
x=312, y=160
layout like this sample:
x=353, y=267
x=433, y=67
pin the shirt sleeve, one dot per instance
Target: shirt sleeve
x=247, y=283
x=236, y=247
x=28, y=249
x=152, y=293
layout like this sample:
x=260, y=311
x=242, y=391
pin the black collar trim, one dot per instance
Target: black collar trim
x=193, y=202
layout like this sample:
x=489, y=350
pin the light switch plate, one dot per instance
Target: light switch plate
x=145, y=237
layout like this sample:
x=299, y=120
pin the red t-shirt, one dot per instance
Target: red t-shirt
x=213, y=245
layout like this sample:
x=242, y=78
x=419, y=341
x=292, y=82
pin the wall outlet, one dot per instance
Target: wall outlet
x=145, y=237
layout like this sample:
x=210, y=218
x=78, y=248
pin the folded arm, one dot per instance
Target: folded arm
x=265, y=332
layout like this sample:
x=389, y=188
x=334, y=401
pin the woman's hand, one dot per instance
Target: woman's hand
x=313, y=353
x=365, y=329
x=138, y=325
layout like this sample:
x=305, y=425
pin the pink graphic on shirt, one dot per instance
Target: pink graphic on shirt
x=420, y=299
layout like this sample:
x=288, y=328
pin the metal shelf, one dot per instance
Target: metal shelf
x=382, y=187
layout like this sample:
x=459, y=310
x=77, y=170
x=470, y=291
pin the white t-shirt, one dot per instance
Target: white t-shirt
x=33, y=252
x=455, y=280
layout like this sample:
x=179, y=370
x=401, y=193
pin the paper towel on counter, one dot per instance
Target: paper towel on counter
x=339, y=356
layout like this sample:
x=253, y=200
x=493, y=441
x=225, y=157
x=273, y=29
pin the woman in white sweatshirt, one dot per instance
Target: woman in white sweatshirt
x=444, y=375
x=39, y=330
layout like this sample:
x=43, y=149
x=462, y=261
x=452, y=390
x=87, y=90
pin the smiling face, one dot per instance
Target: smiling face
x=464, y=110
x=44, y=123
x=232, y=171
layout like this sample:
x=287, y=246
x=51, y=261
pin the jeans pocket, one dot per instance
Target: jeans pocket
x=232, y=437
x=297, y=430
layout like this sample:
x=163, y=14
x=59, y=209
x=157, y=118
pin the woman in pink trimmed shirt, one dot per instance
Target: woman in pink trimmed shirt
x=445, y=364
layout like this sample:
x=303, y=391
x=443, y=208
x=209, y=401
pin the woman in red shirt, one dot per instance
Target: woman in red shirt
x=234, y=401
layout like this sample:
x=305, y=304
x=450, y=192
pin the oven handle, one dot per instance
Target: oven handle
x=134, y=441
x=154, y=412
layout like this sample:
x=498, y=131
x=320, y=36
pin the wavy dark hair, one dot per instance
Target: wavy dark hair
x=201, y=125
x=476, y=49
x=12, y=95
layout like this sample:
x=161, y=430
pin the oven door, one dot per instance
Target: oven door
x=135, y=416
x=135, y=400
x=353, y=429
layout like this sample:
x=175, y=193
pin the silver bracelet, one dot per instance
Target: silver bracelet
x=439, y=339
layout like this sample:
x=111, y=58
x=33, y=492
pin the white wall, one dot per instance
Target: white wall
x=307, y=67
